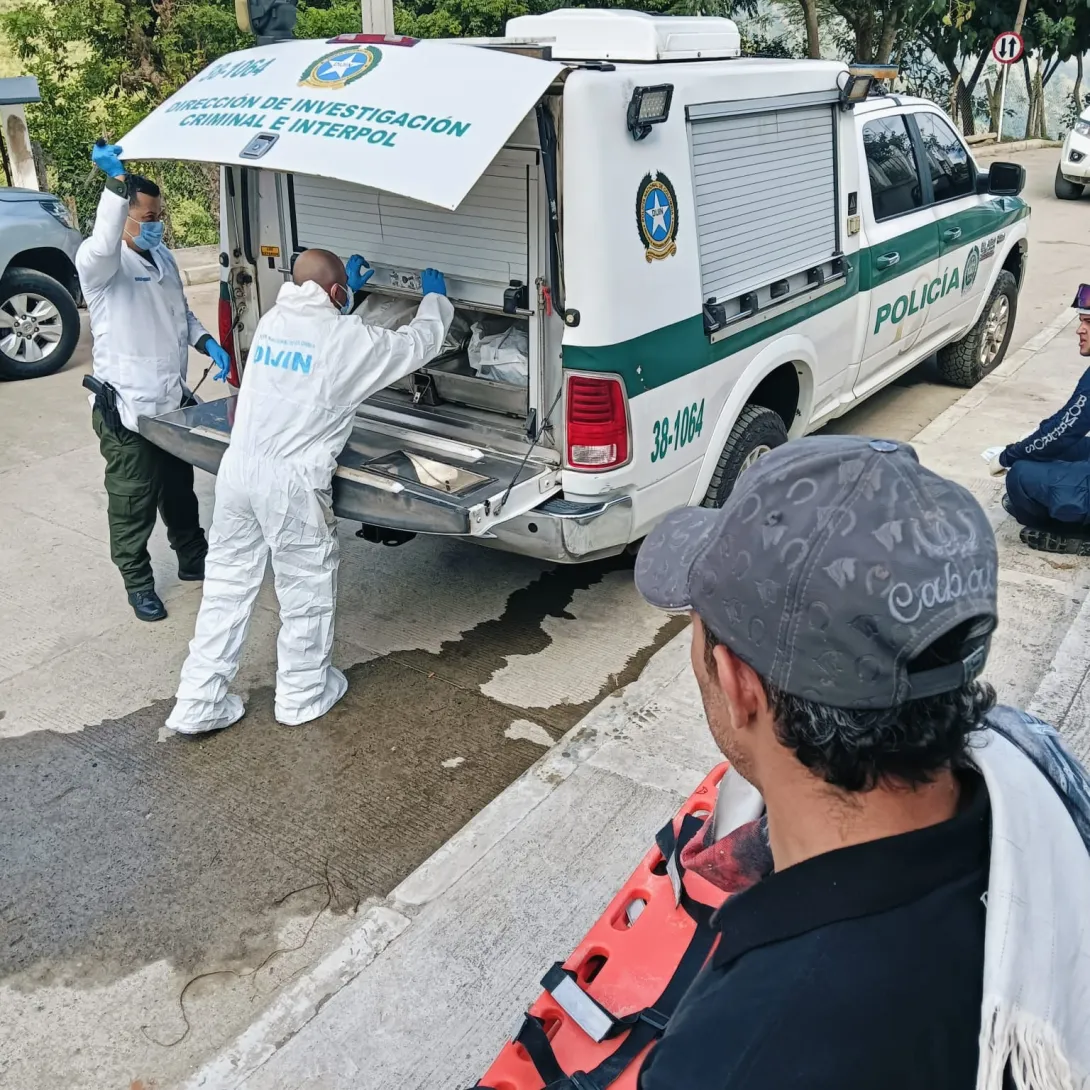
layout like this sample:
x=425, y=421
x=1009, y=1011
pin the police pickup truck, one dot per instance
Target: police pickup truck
x=666, y=258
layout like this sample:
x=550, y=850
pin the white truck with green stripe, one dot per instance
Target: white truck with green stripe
x=666, y=258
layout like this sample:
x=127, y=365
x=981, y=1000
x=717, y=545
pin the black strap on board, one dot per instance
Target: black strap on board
x=641, y=1027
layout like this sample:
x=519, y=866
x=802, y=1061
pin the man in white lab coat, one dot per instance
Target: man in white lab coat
x=311, y=364
x=142, y=328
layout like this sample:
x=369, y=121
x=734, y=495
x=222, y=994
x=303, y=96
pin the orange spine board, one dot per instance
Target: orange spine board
x=625, y=962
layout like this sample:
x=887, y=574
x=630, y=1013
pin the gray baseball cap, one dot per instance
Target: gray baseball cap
x=833, y=564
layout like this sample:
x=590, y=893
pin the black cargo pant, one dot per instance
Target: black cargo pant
x=140, y=480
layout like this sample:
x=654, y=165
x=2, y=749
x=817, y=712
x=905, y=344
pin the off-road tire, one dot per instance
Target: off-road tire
x=17, y=281
x=755, y=427
x=1065, y=190
x=960, y=363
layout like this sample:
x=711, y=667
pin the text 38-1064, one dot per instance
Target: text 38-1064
x=685, y=427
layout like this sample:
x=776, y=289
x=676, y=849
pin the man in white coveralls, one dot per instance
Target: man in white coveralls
x=310, y=366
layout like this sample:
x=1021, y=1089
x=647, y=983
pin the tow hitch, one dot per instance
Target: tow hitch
x=383, y=535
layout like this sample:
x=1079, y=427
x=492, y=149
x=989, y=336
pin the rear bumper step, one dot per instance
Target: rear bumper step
x=567, y=532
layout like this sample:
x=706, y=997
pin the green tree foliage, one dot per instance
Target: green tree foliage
x=960, y=38
x=487, y=18
x=1057, y=31
x=101, y=66
x=1072, y=111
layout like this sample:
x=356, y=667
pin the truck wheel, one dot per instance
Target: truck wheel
x=1065, y=190
x=39, y=324
x=965, y=362
x=756, y=431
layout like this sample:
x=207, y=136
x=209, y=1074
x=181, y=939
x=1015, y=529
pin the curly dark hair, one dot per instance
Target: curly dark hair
x=855, y=749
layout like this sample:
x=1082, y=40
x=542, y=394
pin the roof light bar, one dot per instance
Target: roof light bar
x=372, y=39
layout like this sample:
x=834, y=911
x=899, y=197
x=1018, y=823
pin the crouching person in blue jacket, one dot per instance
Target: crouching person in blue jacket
x=1048, y=472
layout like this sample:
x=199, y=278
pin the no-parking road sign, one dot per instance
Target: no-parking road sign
x=1008, y=47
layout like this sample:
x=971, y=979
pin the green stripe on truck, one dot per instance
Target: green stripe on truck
x=669, y=353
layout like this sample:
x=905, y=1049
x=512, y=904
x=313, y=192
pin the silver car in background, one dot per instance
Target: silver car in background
x=39, y=290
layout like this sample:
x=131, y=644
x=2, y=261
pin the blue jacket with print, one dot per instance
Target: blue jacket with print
x=1060, y=431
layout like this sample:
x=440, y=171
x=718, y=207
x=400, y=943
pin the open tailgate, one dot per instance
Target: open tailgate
x=422, y=119
x=388, y=475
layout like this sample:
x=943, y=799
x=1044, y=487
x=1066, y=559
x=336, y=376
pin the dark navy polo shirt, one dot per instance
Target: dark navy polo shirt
x=859, y=969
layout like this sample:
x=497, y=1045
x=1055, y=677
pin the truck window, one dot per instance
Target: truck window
x=891, y=163
x=952, y=173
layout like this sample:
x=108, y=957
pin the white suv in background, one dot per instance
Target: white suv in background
x=1073, y=173
x=39, y=322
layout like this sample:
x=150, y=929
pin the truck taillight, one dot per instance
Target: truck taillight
x=597, y=420
x=227, y=337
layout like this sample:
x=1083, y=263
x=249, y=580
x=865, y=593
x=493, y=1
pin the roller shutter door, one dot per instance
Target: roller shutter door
x=765, y=196
x=482, y=246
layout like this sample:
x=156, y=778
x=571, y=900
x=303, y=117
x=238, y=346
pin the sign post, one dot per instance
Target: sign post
x=378, y=16
x=1007, y=49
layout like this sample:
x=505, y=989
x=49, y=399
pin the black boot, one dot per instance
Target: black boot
x=1060, y=541
x=147, y=605
x=192, y=575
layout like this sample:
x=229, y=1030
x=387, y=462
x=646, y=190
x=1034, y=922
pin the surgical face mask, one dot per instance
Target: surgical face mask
x=346, y=306
x=149, y=236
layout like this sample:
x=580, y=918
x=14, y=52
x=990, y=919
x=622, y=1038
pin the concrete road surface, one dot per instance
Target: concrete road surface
x=156, y=891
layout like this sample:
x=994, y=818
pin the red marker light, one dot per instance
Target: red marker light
x=372, y=39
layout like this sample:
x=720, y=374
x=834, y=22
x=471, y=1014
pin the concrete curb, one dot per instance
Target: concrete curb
x=200, y=274
x=1063, y=697
x=993, y=151
x=1006, y=370
x=299, y=1003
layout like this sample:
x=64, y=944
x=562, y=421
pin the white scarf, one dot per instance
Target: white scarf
x=1036, y=1010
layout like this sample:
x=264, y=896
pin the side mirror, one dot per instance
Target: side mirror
x=1006, y=179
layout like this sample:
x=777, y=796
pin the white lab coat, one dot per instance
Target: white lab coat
x=307, y=372
x=140, y=321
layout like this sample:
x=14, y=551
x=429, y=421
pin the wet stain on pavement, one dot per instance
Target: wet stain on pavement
x=118, y=850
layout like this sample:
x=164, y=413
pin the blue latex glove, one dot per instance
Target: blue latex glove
x=359, y=272
x=107, y=158
x=218, y=355
x=432, y=283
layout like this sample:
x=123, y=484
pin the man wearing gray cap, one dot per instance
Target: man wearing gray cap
x=909, y=865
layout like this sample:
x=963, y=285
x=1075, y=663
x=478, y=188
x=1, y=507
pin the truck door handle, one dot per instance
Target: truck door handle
x=951, y=234
x=887, y=261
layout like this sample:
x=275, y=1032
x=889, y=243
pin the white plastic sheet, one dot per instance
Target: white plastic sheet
x=502, y=356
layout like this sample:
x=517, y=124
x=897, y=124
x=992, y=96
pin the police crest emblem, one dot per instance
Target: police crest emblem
x=972, y=266
x=338, y=69
x=656, y=216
